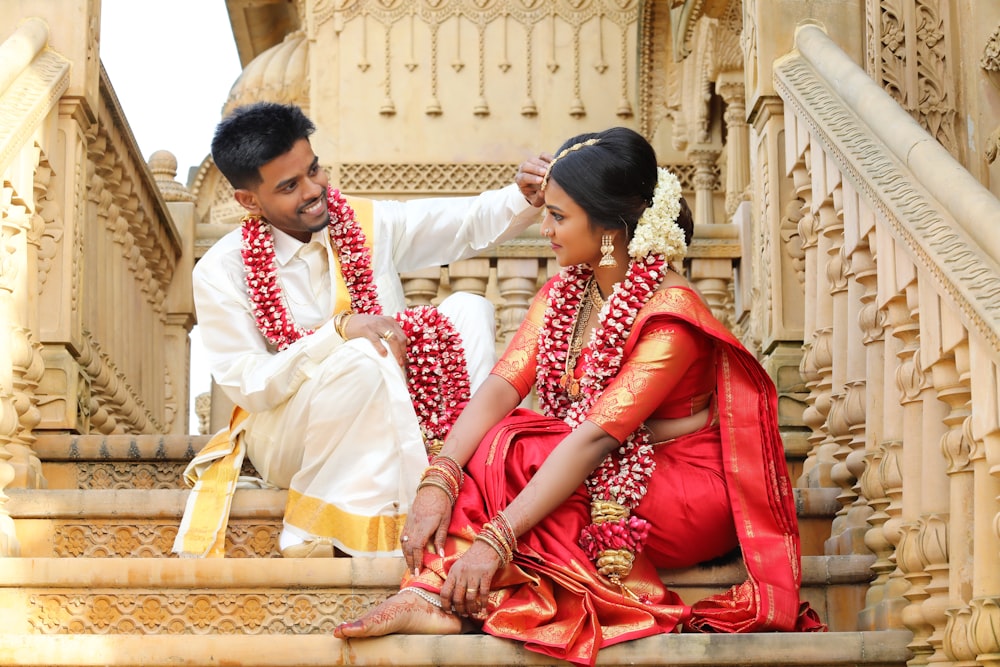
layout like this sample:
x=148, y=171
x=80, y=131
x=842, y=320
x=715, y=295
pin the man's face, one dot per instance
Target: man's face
x=292, y=193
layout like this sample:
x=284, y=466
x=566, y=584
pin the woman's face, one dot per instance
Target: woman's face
x=567, y=226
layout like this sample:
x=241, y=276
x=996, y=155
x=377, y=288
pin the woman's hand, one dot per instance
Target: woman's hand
x=469, y=580
x=428, y=518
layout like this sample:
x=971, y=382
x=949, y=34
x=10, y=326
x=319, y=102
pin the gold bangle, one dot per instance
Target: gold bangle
x=439, y=485
x=340, y=322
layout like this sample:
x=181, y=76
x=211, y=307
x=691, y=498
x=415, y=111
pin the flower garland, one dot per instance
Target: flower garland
x=437, y=377
x=619, y=483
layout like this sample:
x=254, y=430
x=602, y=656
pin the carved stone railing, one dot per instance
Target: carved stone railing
x=94, y=285
x=901, y=352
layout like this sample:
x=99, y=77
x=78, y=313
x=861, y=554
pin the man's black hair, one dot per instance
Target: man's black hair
x=253, y=135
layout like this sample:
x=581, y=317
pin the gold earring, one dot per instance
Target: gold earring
x=607, y=250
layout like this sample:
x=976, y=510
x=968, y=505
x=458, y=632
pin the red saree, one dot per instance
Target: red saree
x=551, y=597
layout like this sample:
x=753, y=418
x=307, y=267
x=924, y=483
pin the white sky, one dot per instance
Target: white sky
x=172, y=65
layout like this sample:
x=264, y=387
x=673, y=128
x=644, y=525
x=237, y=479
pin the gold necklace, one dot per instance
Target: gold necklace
x=590, y=299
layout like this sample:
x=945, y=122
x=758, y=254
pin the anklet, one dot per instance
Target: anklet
x=436, y=601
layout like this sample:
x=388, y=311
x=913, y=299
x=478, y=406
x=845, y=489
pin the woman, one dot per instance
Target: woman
x=658, y=445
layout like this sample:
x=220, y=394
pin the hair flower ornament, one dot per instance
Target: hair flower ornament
x=657, y=232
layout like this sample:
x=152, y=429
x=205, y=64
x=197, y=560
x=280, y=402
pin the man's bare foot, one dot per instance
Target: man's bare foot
x=404, y=613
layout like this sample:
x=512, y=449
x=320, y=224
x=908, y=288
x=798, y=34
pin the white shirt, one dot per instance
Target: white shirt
x=408, y=235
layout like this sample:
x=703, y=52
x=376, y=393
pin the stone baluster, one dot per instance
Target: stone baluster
x=713, y=279
x=470, y=275
x=837, y=445
x=884, y=601
x=517, y=281
x=912, y=381
x=871, y=325
x=10, y=268
x=421, y=287
x=25, y=226
x=940, y=333
x=951, y=376
x=817, y=356
x=985, y=427
x=852, y=523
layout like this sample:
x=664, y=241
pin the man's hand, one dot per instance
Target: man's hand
x=379, y=329
x=529, y=178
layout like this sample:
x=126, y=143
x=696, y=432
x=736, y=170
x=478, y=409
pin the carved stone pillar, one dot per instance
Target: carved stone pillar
x=730, y=87
x=704, y=161
x=180, y=316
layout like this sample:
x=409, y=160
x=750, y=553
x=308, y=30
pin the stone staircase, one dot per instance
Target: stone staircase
x=96, y=584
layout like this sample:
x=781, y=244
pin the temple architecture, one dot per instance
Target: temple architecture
x=841, y=160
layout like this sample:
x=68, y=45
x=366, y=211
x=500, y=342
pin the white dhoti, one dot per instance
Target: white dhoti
x=348, y=445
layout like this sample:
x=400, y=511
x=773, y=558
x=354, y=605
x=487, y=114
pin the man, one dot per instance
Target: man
x=308, y=349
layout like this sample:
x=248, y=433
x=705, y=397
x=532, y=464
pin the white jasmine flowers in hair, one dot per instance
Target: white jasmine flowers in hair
x=657, y=232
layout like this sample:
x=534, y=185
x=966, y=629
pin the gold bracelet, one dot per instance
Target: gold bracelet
x=340, y=322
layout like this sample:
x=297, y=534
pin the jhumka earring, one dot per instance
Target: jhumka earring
x=607, y=250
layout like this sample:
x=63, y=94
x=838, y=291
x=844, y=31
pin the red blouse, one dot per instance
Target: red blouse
x=669, y=373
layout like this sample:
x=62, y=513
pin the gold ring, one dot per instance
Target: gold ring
x=471, y=590
x=387, y=335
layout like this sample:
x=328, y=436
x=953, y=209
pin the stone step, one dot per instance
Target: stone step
x=833, y=649
x=116, y=461
x=143, y=522
x=297, y=596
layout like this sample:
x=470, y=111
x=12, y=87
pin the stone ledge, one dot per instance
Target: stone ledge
x=293, y=596
x=75, y=503
x=290, y=573
x=132, y=503
x=870, y=649
x=69, y=447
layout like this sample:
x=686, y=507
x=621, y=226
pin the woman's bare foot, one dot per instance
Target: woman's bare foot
x=404, y=613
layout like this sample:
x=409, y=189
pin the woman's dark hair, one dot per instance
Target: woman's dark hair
x=253, y=135
x=613, y=179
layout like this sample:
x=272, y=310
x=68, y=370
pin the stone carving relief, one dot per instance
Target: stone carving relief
x=990, y=62
x=482, y=34
x=222, y=612
x=908, y=56
x=151, y=539
x=437, y=178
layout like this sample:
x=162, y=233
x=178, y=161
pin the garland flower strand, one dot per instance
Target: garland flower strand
x=620, y=482
x=437, y=376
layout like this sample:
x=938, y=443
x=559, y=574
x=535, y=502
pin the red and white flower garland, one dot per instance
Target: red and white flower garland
x=437, y=376
x=621, y=479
